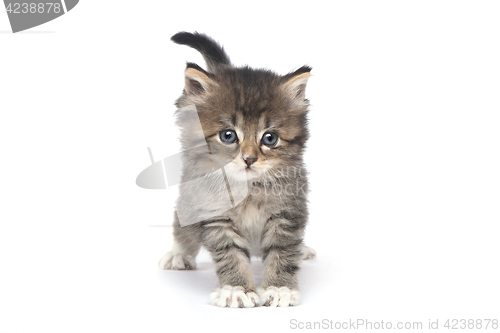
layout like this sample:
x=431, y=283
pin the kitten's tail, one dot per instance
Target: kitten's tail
x=212, y=52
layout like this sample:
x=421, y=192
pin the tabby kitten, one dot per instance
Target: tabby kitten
x=243, y=185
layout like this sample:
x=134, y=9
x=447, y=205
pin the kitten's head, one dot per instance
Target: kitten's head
x=254, y=121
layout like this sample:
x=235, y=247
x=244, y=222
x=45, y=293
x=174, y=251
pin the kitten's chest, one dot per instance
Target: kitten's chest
x=252, y=218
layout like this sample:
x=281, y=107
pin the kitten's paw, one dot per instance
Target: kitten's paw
x=234, y=297
x=282, y=297
x=308, y=253
x=175, y=261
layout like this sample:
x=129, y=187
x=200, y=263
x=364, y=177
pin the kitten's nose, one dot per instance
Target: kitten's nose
x=249, y=160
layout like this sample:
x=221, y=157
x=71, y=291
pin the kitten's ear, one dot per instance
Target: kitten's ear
x=295, y=83
x=196, y=80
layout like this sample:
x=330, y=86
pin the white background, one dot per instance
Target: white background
x=404, y=161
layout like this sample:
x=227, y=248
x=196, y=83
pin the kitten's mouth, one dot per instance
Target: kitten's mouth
x=252, y=173
x=249, y=171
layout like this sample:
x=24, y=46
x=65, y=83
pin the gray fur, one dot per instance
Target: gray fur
x=270, y=211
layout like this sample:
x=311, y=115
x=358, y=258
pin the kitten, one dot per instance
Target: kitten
x=243, y=185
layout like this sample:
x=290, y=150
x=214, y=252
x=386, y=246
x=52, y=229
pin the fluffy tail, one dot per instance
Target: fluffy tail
x=212, y=52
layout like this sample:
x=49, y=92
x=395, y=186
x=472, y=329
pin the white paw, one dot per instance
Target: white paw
x=234, y=297
x=308, y=253
x=282, y=297
x=175, y=261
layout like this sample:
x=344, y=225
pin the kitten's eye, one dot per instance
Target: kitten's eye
x=228, y=136
x=269, y=139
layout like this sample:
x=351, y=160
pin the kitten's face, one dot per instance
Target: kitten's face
x=258, y=146
x=253, y=122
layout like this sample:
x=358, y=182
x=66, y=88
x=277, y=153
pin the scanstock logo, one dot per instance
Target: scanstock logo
x=26, y=14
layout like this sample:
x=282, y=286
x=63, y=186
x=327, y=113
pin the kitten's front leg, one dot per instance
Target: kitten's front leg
x=230, y=252
x=281, y=247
